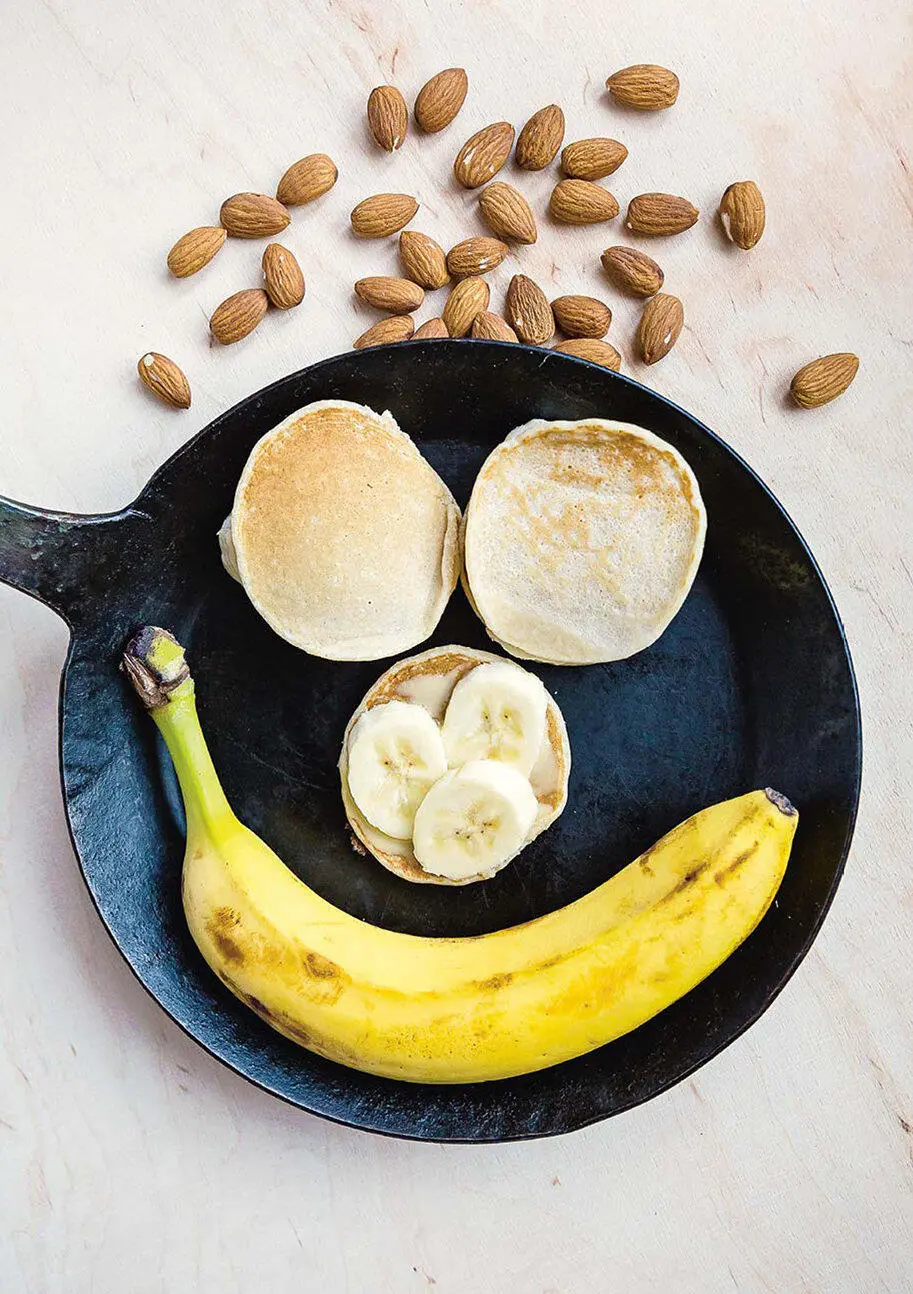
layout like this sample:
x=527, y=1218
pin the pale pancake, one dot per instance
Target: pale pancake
x=581, y=540
x=345, y=538
x=428, y=679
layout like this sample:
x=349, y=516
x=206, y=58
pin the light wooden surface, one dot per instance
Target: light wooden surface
x=130, y=1161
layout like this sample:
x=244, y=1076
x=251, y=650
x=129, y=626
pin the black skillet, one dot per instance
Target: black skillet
x=751, y=686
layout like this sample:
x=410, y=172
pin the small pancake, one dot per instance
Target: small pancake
x=428, y=680
x=345, y=538
x=581, y=540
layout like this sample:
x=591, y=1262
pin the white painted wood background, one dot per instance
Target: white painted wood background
x=130, y=1161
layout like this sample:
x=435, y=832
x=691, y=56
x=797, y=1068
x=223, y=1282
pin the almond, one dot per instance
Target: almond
x=644, y=86
x=382, y=214
x=540, y=139
x=579, y=316
x=592, y=159
x=163, y=378
x=431, y=328
x=660, y=214
x=597, y=352
x=395, y=296
x=580, y=202
x=423, y=259
x=528, y=311
x=507, y=213
x=632, y=271
x=483, y=154
x=282, y=276
x=253, y=215
x=385, y=331
x=743, y=213
x=475, y=256
x=306, y=180
x=195, y=250
x=468, y=298
x=660, y=326
x=388, y=117
x=823, y=379
x=491, y=327
x=440, y=99
x=238, y=315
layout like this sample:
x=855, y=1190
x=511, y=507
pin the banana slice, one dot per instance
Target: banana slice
x=473, y=820
x=497, y=711
x=395, y=756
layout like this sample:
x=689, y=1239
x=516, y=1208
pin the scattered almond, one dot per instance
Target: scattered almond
x=483, y=154
x=282, y=277
x=491, y=327
x=597, y=352
x=632, y=271
x=306, y=180
x=644, y=86
x=195, y=250
x=580, y=202
x=385, y=331
x=528, y=311
x=394, y=296
x=238, y=315
x=475, y=256
x=467, y=299
x=388, y=117
x=423, y=259
x=540, y=139
x=431, y=328
x=660, y=214
x=743, y=213
x=592, y=159
x=440, y=99
x=507, y=213
x=579, y=316
x=382, y=214
x=253, y=215
x=824, y=379
x=163, y=378
x=660, y=327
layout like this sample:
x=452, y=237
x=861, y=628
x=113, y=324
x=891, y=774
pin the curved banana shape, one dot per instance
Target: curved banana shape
x=457, y=1010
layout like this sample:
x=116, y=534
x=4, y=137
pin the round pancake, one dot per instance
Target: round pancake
x=344, y=537
x=581, y=540
x=428, y=679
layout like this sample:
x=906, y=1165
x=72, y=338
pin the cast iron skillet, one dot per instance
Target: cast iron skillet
x=751, y=686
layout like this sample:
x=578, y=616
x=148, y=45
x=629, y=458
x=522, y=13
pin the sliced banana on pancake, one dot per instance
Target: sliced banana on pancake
x=496, y=712
x=473, y=820
x=395, y=756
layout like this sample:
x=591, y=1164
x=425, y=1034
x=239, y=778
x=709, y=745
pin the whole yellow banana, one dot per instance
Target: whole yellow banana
x=457, y=1010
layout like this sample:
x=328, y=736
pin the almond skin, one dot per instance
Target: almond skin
x=469, y=298
x=196, y=249
x=632, y=271
x=282, y=277
x=475, y=256
x=824, y=379
x=528, y=311
x=423, y=260
x=306, y=180
x=540, y=139
x=592, y=159
x=658, y=215
x=163, y=378
x=645, y=86
x=743, y=214
x=388, y=117
x=238, y=315
x=395, y=328
x=579, y=316
x=440, y=99
x=431, y=329
x=483, y=154
x=394, y=296
x=491, y=327
x=382, y=214
x=253, y=215
x=580, y=202
x=507, y=213
x=597, y=352
x=660, y=326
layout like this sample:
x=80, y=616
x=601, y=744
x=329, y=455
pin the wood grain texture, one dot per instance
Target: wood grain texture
x=129, y=1159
